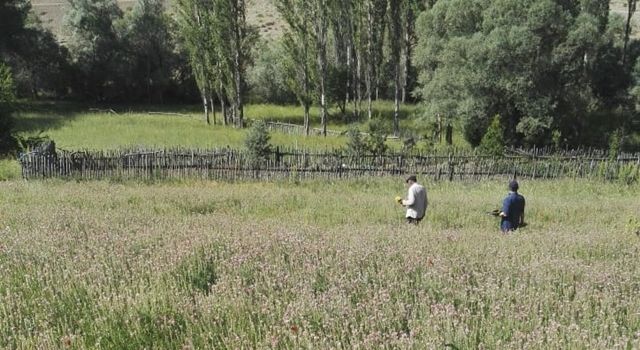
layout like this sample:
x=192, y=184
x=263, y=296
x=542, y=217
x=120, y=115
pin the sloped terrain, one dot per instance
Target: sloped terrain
x=262, y=14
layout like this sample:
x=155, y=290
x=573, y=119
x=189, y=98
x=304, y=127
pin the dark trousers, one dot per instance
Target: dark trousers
x=413, y=221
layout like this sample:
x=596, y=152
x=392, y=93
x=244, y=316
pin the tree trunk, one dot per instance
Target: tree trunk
x=239, y=63
x=369, y=105
x=439, y=128
x=368, y=85
x=223, y=110
x=306, y=119
x=407, y=51
x=323, y=104
x=357, y=102
x=348, y=75
x=449, y=136
x=305, y=91
x=213, y=108
x=223, y=106
x=396, y=105
x=234, y=110
x=205, y=104
x=369, y=78
x=320, y=26
x=631, y=9
x=239, y=103
x=395, y=38
x=323, y=98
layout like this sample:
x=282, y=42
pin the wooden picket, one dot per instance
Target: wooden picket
x=288, y=163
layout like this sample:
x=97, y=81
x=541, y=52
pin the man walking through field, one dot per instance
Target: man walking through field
x=416, y=202
x=512, y=213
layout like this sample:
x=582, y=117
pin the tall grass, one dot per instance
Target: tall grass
x=315, y=265
x=9, y=169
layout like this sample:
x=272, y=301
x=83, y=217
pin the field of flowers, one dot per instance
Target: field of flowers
x=315, y=265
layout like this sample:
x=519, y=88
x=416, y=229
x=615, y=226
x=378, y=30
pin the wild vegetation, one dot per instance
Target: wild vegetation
x=315, y=265
x=296, y=264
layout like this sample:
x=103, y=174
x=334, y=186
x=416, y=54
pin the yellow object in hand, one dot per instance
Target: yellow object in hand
x=398, y=199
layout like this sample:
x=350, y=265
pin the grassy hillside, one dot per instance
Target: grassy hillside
x=262, y=14
x=315, y=265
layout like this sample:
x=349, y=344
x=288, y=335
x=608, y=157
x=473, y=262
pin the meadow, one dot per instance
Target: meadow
x=289, y=265
x=75, y=127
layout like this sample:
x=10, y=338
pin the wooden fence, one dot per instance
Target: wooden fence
x=295, y=129
x=232, y=164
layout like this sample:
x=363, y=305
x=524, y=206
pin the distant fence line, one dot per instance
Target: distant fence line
x=296, y=129
x=233, y=164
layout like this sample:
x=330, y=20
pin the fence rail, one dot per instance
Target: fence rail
x=232, y=164
x=295, y=129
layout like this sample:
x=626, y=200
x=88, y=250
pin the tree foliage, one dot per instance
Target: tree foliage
x=257, y=142
x=95, y=47
x=493, y=140
x=39, y=64
x=219, y=41
x=298, y=43
x=543, y=65
x=149, y=46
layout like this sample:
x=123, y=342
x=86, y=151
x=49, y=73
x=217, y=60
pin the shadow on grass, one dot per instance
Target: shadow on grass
x=40, y=116
x=293, y=114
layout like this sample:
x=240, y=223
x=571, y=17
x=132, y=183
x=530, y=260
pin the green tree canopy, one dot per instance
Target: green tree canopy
x=95, y=47
x=542, y=65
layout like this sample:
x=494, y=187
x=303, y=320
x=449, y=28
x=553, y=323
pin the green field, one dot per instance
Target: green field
x=78, y=128
x=75, y=127
x=315, y=265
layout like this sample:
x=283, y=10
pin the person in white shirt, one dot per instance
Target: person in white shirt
x=416, y=202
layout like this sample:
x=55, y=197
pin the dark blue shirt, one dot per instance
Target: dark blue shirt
x=513, y=208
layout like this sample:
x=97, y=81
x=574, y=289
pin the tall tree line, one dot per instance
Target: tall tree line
x=218, y=40
x=368, y=37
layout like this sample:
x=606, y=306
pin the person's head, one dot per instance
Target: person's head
x=411, y=180
x=513, y=186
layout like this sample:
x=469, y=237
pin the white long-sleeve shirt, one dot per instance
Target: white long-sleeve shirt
x=416, y=201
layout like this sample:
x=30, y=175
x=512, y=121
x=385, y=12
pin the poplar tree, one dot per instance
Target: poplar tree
x=235, y=37
x=298, y=44
x=192, y=19
x=320, y=20
x=395, y=43
x=218, y=39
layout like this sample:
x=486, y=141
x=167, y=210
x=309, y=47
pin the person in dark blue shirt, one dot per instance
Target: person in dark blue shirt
x=512, y=213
